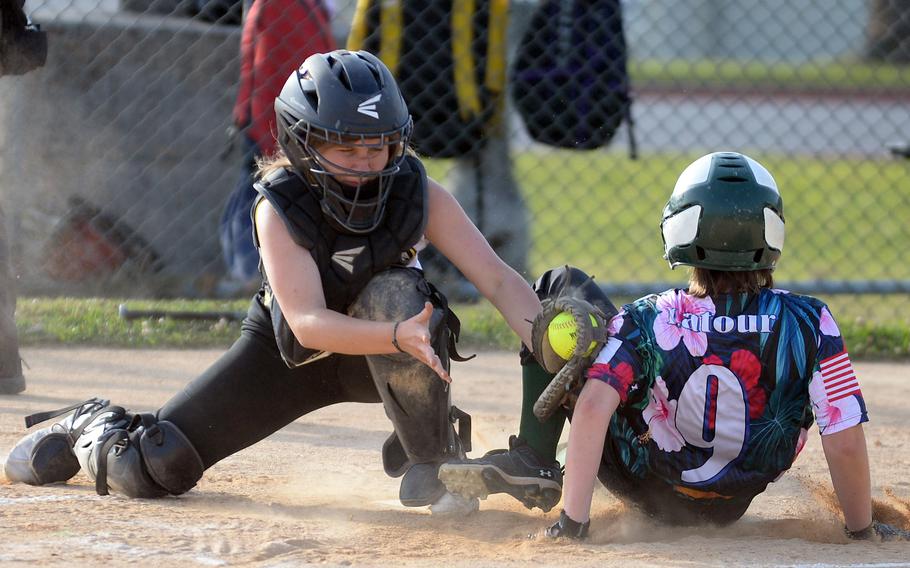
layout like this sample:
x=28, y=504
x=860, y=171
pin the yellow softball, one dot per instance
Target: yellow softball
x=562, y=333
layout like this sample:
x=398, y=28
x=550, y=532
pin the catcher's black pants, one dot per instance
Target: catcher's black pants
x=249, y=393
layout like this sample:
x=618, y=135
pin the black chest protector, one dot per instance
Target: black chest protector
x=346, y=261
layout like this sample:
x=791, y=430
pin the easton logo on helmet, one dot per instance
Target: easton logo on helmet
x=368, y=107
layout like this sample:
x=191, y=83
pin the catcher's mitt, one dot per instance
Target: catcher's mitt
x=568, y=372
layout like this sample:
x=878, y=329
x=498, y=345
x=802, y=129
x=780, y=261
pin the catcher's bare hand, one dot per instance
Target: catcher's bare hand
x=415, y=339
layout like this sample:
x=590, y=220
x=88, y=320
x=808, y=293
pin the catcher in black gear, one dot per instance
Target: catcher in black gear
x=344, y=313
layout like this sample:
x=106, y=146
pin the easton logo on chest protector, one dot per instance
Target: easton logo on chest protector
x=345, y=258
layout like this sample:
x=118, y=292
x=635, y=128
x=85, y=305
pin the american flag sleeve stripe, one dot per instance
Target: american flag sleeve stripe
x=838, y=377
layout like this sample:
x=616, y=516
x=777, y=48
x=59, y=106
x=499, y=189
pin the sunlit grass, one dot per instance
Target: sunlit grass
x=835, y=76
x=81, y=321
x=846, y=219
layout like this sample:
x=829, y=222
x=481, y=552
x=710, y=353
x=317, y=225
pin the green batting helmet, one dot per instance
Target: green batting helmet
x=725, y=213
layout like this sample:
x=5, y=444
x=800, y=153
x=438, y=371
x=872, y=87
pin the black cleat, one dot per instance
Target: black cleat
x=518, y=471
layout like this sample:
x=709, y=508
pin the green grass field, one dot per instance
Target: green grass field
x=79, y=321
x=838, y=76
x=846, y=220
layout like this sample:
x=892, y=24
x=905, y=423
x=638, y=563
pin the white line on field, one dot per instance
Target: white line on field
x=44, y=498
x=859, y=565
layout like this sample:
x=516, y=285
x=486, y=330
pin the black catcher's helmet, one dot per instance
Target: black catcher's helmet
x=346, y=98
x=725, y=213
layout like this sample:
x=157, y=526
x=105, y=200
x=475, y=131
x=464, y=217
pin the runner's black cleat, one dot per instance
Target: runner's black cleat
x=518, y=471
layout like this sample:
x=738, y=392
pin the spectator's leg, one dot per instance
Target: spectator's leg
x=11, y=379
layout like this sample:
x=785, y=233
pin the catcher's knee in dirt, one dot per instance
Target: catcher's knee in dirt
x=151, y=461
x=137, y=455
x=133, y=454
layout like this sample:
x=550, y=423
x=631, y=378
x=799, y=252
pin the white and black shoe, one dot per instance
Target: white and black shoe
x=47, y=455
x=518, y=471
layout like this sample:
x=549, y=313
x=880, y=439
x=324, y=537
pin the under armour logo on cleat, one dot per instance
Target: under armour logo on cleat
x=368, y=107
x=546, y=473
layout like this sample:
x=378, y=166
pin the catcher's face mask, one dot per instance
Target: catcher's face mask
x=725, y=213
x=355, y=176
x=349, y=102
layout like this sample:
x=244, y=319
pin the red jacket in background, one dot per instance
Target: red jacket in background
x=278, y=35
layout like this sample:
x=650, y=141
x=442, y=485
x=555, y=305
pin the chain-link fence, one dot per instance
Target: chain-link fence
x=117, y=169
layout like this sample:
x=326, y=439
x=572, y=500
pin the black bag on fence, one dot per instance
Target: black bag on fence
x=449, y=58
x=570, y=82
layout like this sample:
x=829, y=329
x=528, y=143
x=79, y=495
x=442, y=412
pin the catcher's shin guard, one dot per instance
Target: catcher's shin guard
x=415, y=399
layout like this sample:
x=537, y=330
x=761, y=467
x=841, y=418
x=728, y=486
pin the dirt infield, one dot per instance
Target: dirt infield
x=315, y=493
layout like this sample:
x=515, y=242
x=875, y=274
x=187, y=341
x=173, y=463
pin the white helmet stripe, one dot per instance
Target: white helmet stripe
x=682, y=228
x=696, y=173
x=762, y=175
x=774, y=230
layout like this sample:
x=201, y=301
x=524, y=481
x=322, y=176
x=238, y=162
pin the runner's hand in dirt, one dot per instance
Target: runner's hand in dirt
x=879, y=531
x=414, y=338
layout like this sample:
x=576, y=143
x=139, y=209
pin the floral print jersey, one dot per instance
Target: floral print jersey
x=717, y=392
